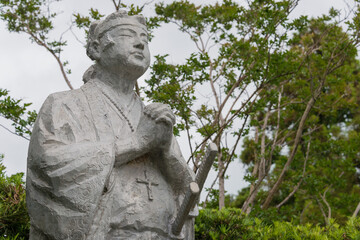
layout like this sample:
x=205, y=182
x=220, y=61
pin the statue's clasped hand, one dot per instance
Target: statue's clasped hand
x=155, y=129
x=160, y=112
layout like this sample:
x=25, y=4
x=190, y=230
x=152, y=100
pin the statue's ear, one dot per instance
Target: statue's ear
x=93, y=50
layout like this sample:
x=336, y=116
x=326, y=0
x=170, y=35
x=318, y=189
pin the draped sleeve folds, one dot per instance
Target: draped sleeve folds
x=69, y=162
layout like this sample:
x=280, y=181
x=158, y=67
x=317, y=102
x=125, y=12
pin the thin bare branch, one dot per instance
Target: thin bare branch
x=256, y=93
x=211, y=187
x=189, y=141
x=356, y=211
x=76, y=37
x=236, y=143
x=302, y=178
x=14, y=132
x=322, y=210
x=233, y=89
x=116, y=5
x=234, y=103
x=230, y=156
x=323, y=197
x=43, y=44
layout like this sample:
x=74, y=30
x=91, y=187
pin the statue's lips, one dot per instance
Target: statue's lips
x=139, y=55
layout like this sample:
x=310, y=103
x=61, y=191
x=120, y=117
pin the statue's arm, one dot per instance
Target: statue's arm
x=154, y=135
x=128, y=148
x=176, y=167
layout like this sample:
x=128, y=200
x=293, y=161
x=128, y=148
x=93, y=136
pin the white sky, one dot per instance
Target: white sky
x=31, y=73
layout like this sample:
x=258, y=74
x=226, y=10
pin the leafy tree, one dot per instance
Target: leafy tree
x=29, y=17
x=16, y=111
x=306, y=127
x=264, y=69
x=240, y=55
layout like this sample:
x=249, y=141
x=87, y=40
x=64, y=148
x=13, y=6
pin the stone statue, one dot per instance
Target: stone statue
x=101, y=164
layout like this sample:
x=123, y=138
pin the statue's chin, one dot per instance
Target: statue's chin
x=135, y=69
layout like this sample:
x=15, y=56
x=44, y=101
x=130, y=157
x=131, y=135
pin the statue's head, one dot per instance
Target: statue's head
x=120, y=42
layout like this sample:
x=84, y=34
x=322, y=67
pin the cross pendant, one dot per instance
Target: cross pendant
x=148, y=185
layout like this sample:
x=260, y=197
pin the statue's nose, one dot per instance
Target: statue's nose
x=138, y=44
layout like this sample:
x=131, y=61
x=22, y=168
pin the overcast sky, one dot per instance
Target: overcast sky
x=31, y=73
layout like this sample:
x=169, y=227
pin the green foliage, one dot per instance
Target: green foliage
x=166, y=86
x=14, y=219
x=224, y=224
x=233, y=224
x=305, y=62
x=213, y=201
x=83, y=22
x=31, y=18
x=35, y=19
x=26, y=16
x=323, y=168
x=213, y=90
x=18, y=113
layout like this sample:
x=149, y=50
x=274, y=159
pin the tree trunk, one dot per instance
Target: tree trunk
x=260, y=166
x=245, y=207
x=221, y=182
x=356, y=210
x=302, y=178
x=303, y=212
x=276, y=186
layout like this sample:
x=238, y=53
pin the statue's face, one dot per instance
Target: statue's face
x=125, y=47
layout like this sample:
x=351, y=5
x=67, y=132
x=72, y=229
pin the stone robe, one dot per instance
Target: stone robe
x=77, y=190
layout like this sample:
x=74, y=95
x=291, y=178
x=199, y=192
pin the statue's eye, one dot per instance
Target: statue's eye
x=125, y=35
x=144, y=38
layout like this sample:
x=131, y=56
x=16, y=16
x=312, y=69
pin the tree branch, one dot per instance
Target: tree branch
x=322, y=210
x=43, y=44
x=356, y=211
x=302, y=178
x=14, y=132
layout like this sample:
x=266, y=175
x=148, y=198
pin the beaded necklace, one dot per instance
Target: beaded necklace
x=119, y=109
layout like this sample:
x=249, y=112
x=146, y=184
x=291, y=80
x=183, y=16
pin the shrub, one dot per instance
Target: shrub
x=14, y=219
x=233, y=224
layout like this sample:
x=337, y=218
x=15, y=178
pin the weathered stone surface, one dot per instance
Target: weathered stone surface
x=101, y=164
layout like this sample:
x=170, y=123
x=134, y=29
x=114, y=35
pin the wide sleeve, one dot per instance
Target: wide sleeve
x=176, y=168
x=69, y=163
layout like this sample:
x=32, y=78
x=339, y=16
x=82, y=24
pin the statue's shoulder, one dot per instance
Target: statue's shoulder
x=71, y=99
x=68, y=95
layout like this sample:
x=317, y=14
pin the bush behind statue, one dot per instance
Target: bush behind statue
x=231, y=223
x=14, y=219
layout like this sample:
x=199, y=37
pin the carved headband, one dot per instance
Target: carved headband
x=99, y=28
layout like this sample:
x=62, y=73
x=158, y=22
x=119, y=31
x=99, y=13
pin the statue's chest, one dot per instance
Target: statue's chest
x=123, y=119
x=142, y=198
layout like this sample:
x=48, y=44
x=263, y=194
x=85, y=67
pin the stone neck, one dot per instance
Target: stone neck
x=117, y=96
x=119, y=82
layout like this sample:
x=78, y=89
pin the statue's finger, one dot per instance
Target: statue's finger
x=170, y=115
x=164, y=119
x=151, y=107
x=160, y=110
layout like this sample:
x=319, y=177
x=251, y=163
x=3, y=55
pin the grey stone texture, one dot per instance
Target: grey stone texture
x=101, y=164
